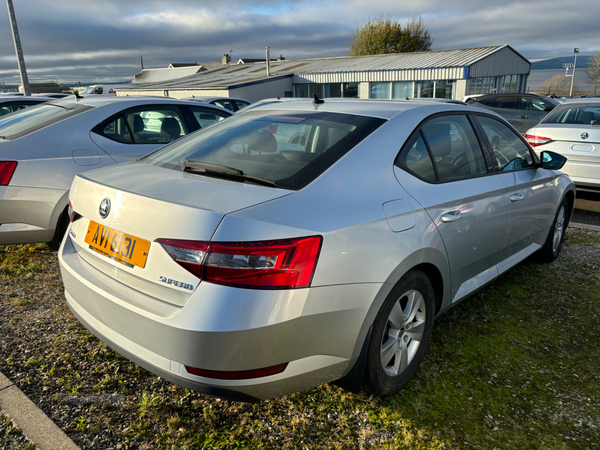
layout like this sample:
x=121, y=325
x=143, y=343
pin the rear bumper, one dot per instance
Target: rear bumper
x=28, y=214
x=317, y=331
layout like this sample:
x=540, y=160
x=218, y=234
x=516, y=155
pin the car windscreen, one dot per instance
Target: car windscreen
x=288, y=148
x=577, y=113
x=26, y=121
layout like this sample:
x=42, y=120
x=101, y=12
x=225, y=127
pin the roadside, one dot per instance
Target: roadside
x=515, y=366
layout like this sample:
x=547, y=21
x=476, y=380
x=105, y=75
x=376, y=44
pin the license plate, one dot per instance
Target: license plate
x=123, y=248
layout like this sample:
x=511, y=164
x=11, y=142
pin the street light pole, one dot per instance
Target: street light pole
x=574, y=68
x=21, y=60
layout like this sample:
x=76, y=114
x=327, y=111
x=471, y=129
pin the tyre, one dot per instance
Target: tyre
x=61, y=229
x=551, y=248
x=400, y=335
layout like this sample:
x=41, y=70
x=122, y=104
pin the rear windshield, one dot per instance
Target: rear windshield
x=578, y=113
x=288, y=148
x=26, y=121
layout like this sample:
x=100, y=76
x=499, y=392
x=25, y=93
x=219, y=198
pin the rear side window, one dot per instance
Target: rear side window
x=37, y=117
x=580, y=114
x=146, y=125
x=488, y=101
x=510, y=152
x=448, y=143
x=207, y=116
x=506, y=102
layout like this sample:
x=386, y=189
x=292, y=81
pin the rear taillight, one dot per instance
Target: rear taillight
x=73, y=216
x=7, y=168
x=280, y=264
x=535, y=141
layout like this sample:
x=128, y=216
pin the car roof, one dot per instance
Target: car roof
x=588, y=100
x=385, y=109
x=98, y=101
x=200, y=98
x=24, y=99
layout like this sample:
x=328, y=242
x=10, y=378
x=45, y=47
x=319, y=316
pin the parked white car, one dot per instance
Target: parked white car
x=573, y=130
x=43, y=147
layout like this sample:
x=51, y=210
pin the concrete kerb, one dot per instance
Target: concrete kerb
x=32, y=421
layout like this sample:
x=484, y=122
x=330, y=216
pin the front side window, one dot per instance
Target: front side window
x=510, y=152
x=288, y=148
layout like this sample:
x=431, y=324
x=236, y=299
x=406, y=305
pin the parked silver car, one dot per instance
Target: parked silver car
x=13, y=103
x=232, y=104
x=573, y=130
x=43, y=147
x=523, y=111
x=299, y=243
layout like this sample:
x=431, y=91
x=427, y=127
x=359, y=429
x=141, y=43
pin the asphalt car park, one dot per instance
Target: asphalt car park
x=207, y=262
x=43, y=147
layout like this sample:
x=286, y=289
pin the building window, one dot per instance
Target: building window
x=381, y=90
x=306, y=90
x=425, y=89
x=402, y=89
x=350, y=90
x=333, y=90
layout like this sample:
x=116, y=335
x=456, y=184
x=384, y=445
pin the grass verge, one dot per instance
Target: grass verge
x=515, y=366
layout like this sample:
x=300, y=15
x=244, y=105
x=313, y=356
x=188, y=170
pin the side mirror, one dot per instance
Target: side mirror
x=552, y=161
x=548, y=108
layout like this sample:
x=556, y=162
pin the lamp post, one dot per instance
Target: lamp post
x=574, y=68
x=18, y=49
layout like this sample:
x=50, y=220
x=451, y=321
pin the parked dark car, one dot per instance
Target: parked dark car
x=523, y=111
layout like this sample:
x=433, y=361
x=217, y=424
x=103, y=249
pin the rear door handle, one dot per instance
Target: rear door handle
x=516, y=198
x=522, y=117
x=452, y=216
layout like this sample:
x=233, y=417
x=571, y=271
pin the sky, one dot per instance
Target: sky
x=75, y=41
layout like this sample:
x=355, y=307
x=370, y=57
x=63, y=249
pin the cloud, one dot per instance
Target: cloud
x=84, y=41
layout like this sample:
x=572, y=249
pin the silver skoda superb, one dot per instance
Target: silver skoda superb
x=308, y=242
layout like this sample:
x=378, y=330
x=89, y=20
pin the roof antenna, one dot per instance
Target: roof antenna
x=317, y=100
x=77, y=95
x=406, y=98
x=278, y=98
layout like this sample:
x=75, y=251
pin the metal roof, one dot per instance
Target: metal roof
x=159, y=75
x=228, y=76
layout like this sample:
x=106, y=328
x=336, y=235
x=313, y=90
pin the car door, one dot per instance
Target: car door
x=532, y=111
x=507, y=106
x=531, y=192
x=467, y=203
x=140, y=130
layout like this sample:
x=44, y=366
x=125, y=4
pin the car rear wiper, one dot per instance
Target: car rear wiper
x=217, y=170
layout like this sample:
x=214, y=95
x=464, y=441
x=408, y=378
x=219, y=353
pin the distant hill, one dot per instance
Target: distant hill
x=557, y=63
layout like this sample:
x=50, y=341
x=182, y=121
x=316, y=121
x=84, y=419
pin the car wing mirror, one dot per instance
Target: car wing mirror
x=553, y=161
x=548, y=108
x=595, y=122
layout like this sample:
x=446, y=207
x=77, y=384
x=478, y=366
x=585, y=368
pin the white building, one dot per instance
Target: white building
x=438, y=74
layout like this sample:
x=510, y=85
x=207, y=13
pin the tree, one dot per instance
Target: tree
x=592, y=73
x=558, y=84
x=382, y=35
